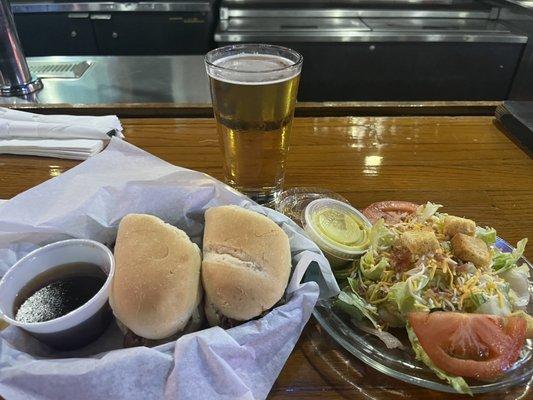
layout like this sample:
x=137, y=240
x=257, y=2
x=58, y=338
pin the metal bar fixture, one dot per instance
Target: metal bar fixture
x=15, y=76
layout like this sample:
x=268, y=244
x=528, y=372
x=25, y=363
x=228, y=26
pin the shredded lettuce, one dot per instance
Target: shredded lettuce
x=354, y=284
x=370, y=269
x=399, y=294
x=473, y=302
x=406, y=294
x=502, y=262
x=355, y=306
x=458, y=383
x=494, y=306
x=390, y=315
x=518, y=280
x=424, y=212
x=439, y=223
x=488, y=235
x=380, y=237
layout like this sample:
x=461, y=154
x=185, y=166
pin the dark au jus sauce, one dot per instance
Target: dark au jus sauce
x=58, y=291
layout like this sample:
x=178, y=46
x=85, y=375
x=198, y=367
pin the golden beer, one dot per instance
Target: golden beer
x=253, y=101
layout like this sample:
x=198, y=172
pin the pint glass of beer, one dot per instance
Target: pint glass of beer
x=253, y=89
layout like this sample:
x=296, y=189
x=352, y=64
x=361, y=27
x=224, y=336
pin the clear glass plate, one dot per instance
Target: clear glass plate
x=401, y=364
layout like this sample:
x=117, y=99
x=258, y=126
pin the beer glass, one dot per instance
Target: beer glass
x=253, y=89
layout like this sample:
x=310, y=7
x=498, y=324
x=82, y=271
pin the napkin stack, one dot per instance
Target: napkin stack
x=60, y=136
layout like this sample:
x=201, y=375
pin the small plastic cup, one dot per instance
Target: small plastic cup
x=78, y=327
x=339, y=246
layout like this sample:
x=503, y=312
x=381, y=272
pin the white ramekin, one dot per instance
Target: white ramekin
x=78, y=327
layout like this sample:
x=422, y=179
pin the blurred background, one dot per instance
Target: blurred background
x=354, y=50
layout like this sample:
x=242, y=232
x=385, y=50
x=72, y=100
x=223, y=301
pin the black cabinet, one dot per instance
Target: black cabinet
x=45, y=34
x=407, y=71
x=115, y=33
x=152, y=33
x=396, y=71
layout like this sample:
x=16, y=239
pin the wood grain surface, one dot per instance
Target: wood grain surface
x=465, y=163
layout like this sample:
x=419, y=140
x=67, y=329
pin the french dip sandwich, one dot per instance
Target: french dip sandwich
x=246, y=265
x=156, y=291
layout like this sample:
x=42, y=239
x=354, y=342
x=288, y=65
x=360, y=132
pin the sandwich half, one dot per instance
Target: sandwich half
x=246, y=265
x=156, y=291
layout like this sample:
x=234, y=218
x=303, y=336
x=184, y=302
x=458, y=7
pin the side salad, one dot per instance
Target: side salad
x=441, y=277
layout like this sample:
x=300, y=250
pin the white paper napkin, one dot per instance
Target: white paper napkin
x=61, y=136
x=75, y=149
x=19, y=124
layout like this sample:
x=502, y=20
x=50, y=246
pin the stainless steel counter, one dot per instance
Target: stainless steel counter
x=45, y=6
x=121, y=80
x=357, y=9
x=365, y=30
x=528, y=4
x=451, y=21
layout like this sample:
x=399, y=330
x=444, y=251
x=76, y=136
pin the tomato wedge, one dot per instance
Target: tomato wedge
x=391, y=211
x=477, y=346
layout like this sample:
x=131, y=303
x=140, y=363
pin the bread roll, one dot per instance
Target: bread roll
x=156, y=286
x=246, y=265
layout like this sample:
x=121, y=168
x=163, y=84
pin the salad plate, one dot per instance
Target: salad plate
x=400, y=362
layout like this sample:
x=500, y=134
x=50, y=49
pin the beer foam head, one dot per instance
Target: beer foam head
x=253, y=69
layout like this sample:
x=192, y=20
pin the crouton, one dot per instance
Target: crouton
x=471, y=248
x=454, y=225
x=420, y=242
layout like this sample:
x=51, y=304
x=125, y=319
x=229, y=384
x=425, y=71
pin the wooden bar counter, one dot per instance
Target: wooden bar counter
x=465, y=163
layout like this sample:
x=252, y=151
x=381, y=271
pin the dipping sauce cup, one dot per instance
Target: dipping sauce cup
x=340, y=230
x=78, y=327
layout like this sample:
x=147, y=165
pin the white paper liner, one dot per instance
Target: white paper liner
x=88, y=201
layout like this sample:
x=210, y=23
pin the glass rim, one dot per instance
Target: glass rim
x=296, y=63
